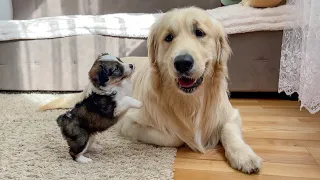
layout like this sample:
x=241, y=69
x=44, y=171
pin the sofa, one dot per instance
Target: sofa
x=61, y=64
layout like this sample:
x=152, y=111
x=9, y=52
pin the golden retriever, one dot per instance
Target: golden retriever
x=183, y=85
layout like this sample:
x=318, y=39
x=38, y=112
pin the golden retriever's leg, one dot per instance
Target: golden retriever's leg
x=63, y=102
x=240, y=155
x=129, y=128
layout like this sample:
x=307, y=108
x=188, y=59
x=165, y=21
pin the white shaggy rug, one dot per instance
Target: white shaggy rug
x=31, y=147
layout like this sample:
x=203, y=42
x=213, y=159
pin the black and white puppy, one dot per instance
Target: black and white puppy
x=105, y=102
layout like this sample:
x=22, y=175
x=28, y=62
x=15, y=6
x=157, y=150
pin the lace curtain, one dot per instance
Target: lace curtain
x=300, y=55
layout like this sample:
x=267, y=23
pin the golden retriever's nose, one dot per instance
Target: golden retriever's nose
x=183, y=63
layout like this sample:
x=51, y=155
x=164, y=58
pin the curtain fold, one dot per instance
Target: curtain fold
x=300, y=55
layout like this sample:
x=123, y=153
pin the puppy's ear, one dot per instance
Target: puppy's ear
x=223, y=51
x=103, y=76
x=152, y=44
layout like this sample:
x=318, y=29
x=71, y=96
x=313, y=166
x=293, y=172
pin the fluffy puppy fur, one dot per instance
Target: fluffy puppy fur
x=100, y=109
x=183, y=86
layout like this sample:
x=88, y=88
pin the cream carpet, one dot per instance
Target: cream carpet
x=31, y=147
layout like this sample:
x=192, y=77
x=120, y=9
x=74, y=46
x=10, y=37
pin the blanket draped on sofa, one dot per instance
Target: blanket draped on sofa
x=236, y=19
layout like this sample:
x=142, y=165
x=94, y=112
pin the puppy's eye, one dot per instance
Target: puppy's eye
x=199, y=33
x=103, y=70
x=169, y=38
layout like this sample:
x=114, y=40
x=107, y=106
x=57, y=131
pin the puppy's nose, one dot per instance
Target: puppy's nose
x=183, y=63
x=131, y=66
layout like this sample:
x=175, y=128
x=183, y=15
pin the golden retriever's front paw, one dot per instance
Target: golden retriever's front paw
x=245, y=159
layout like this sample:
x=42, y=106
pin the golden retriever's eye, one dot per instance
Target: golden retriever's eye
x=199, y=33
x=169, y=38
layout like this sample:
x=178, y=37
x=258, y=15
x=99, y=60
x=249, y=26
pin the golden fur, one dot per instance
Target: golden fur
x=170, y=117
x=185, y=114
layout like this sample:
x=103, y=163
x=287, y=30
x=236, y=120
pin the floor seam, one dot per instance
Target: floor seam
x=312, y=156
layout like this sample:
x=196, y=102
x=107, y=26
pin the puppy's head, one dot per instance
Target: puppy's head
x=186, y=46
x=109, y=70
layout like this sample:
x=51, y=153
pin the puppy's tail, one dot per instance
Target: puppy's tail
x=63, y=102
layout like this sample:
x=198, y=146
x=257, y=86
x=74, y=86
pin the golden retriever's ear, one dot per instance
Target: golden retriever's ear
x=152, y=45
x=223, y=52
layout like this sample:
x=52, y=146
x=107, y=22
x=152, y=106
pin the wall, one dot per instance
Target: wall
x=6, y=10
x=29, y=9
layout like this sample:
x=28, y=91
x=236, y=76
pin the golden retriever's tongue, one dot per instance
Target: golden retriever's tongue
x=185, y=82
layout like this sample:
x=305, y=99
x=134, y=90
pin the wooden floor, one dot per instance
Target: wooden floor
x=286, y=138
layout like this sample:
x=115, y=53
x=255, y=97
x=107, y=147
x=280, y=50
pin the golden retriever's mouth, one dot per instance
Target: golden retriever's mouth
x=188, y=84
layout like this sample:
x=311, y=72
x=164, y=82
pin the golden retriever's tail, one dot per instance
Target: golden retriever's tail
x=63, y=102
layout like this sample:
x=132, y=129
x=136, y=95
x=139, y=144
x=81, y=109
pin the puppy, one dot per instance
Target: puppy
x=105, y=102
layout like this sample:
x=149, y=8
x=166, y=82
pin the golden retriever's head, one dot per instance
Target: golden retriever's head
x=187, y=46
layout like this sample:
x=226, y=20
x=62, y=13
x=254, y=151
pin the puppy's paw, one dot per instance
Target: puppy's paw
x=83, y=159
x=244, y=159
x=137, y=104
x=134, y=103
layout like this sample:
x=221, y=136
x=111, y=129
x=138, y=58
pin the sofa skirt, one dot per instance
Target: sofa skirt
x=62, y=64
